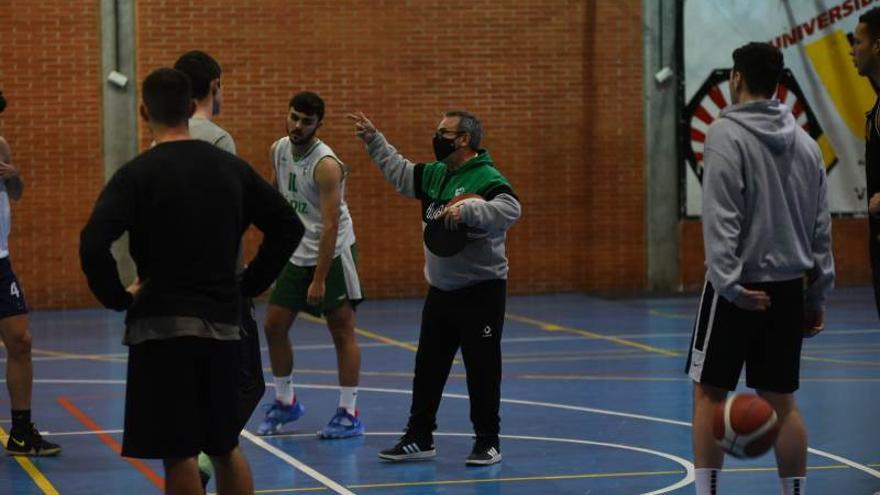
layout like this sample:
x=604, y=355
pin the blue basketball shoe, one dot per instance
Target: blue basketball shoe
x=278, y=415
x=342, y=425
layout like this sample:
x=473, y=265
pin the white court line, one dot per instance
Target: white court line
x=552, y=405
x=852, y=464
x=284, y=456
x=821, y=453
x=687, y=465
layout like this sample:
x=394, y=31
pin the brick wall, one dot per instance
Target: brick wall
x=556, y=83
x=50, y=73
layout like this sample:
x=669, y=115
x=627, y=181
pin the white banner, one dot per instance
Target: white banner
x=821, y=85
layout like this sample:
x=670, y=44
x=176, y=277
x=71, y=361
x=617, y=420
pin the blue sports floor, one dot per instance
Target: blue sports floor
x=594, y=402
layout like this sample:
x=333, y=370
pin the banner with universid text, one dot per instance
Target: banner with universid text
x=821, y=85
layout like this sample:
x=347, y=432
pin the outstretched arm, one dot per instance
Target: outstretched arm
x=399, y=171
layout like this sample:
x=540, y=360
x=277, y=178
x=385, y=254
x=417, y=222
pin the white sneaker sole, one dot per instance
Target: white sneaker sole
x=418, y=456
x=487, y=462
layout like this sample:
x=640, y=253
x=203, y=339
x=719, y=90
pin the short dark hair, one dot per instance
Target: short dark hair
x=2, y=102
x=308, y=103
x=871, y=19
x=761, y=65
x=168, y=96
x=470, y=124
x=201, y=69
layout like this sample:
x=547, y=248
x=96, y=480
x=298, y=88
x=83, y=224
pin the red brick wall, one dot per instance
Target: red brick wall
x=50, y=73
x=557, y=85
x=850, y=243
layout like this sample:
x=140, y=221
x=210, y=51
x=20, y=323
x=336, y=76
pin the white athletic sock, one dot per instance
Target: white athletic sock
x=707, y=481
x=284, y=389
x=348, y=399
x=794, y=486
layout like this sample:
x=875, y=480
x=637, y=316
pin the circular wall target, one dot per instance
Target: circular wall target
x=714, y=95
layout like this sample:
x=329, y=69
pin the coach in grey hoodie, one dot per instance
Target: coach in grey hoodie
x=769, y=267
x=467, y=292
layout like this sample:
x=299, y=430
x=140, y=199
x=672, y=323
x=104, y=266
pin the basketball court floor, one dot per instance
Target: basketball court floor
x=594, y=402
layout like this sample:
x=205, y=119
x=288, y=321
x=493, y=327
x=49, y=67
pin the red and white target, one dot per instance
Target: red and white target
x=714, y=96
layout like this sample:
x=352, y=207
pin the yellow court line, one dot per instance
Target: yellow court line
x=535, y=376
x=677, y=316
x=334, y=372
x=369, y=334
x=86, y=357
x=573, y=358
x=479, y=480
x=545, y=376
x=39, y=479
x=552, y=327
x=568, y=376
x=596, y=353
x=841, y=361
x=70, y=355
x=532, y=478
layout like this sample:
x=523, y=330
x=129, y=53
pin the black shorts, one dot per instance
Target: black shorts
x=768, y=342
x=251, y=383
x=11, y=295
x=182, y=398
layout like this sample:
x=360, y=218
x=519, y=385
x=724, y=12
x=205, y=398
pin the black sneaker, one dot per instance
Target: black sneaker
x=30, y=443
x=485, y=453
x=410, y=448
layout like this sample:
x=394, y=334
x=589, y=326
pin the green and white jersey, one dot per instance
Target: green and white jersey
x=296, y=181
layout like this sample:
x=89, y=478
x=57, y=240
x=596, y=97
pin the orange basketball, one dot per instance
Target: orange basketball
x=745, y=426
x=466, y=197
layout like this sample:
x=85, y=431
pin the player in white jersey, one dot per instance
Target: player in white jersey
x=321, y=278
x=24, y=439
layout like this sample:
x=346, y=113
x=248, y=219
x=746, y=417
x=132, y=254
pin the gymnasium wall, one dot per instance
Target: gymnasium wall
x=558, y=85
x=50, y=73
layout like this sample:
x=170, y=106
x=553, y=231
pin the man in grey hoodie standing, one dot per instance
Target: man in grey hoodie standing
x=767, y=236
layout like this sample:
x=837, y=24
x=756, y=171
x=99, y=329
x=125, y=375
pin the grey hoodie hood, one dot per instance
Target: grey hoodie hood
x=769, y=120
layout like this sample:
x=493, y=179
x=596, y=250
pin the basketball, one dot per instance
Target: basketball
x=745, y=426
x=464, y=198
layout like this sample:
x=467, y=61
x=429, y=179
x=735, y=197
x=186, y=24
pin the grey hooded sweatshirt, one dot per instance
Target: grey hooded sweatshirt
x=765, y=207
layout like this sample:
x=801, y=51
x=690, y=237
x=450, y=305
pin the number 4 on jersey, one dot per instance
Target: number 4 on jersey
x=13, y=290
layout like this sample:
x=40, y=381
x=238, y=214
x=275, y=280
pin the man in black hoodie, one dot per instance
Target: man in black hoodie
x=866, y=57
x=185, y=205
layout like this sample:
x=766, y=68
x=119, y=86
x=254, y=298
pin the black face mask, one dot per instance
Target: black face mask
x=2, y=102
x=443, y=147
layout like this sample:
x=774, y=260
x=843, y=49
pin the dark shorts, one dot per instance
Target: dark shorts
x=768, y=342
x=181, y=398
x=11, y=295
x=251, y=383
